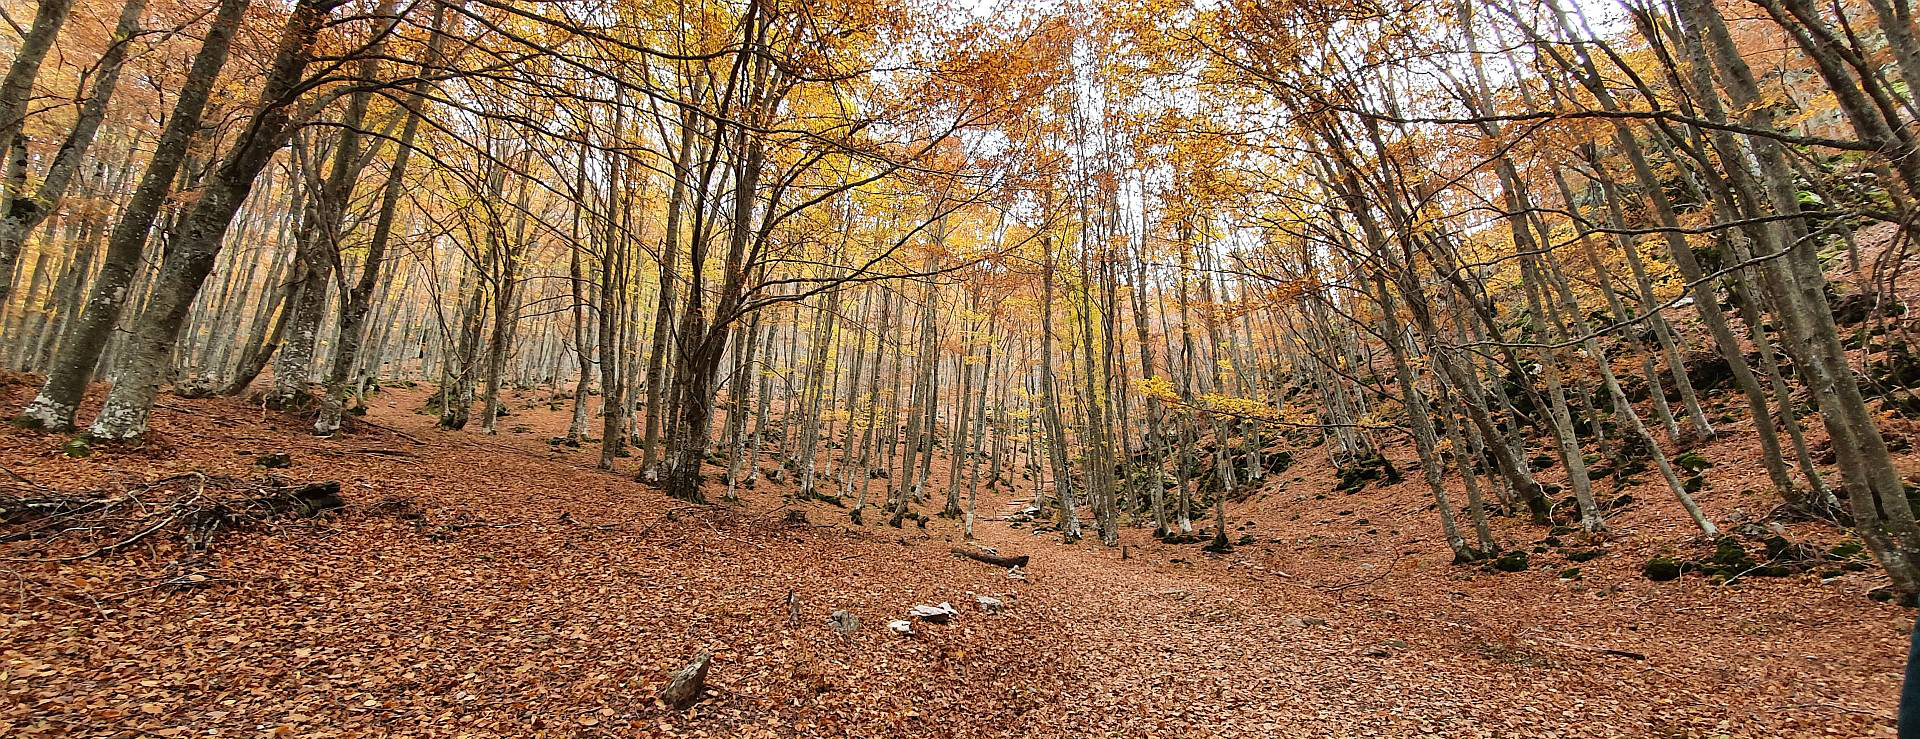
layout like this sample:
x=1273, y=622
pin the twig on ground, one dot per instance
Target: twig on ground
x=1598, y=650
x=391, y=430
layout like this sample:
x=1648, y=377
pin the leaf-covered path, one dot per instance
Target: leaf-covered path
x=483, y=586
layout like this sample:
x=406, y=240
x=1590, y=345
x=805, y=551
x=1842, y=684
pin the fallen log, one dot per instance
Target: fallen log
x=991, y=557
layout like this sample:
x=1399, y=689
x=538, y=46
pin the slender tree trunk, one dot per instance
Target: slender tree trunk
x=86, y=338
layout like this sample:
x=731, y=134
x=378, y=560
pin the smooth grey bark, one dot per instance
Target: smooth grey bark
x=138, y=372
x=663, y=309
x=504, y=257
x=86, y=338
x=577, y=288
x=1068, y=519
x=746, y=382
x=24, y=211
x=16, y=90
x=357, y=301
x=1882, y=515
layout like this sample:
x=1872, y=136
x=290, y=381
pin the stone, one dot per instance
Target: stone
x=844, y=623
x=1515, y=561
x=939, y=614
x=989, y=604
x=902, y=627
x=685, y=685
x=1662, y=569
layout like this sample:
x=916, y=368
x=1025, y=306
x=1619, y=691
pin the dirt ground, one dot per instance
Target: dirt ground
x=501, y=586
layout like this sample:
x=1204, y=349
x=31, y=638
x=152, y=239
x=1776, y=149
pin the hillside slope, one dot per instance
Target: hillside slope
x=502, y=587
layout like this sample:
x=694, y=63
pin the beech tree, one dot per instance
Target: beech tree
x=1133, y=261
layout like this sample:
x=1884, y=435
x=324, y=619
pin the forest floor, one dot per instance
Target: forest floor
x=501, y=586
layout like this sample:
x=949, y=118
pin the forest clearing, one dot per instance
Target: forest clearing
x=873, y=368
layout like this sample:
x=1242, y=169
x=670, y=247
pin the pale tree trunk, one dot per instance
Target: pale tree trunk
x=505, y=258
x=461, y=342
x=359, y=300
x=746, y=380
x=979, y=429
x=1420, y=415
x=918, y=421
x=23, y=210
x=1222, y=452
x=320, y=249
x=1098, y=447
x=957, y=446
x=856, y=370
x=1156, y=434
x=16, y=90
x=1183, y=517
x=140, y=369
x=815, y=377
x=1571, y=310
x=1882, y=515
x=869, y=444
x=86, y=338
x=582, y=327
x=1068, y=519
x=613, y=298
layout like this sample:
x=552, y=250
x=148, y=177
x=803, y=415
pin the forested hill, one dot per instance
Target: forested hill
x=503, y=586
x=1233, y=368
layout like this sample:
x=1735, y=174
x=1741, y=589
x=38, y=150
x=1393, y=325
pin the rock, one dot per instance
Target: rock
x=1016, y=573
x=939, y=614
x=1662, y=569
x=844, y=623
x=685, y=685
x=274, y=461
x=1380, y=652
x=902, y=627
x=1846, y=550
x=988, y=604
x=1515, y=561
x=1729, y=555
